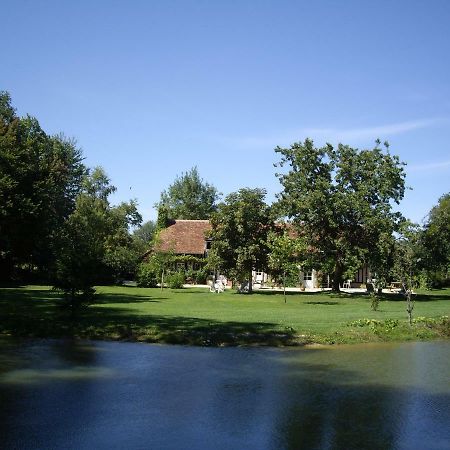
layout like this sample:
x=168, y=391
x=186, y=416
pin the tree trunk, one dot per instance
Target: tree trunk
x=407, y=287
x=337, y=276
x=284, y=286
x=250, y=284
x=162, y=280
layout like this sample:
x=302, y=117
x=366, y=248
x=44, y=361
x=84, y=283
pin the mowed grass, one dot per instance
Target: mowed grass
x=198, y=317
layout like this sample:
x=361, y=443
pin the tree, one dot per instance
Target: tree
x=145, y=233
x=189, y=197
x=436, y=237
x=95, y=244
x=40, y=177
x=340, y=201
x=239, y=234
x=407, y=261
x=284, y=259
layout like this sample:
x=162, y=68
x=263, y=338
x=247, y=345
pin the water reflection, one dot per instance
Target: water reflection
x=109, y=395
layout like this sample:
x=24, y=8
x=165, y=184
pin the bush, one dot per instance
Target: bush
x=374, y=301
x=377, y=326
x=146, y=275
x=176, y=280
x=438, y=280
x=197, y=276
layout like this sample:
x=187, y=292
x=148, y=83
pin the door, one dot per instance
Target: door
x=308, y=279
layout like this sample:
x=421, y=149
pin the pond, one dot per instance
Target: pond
x=104, y=395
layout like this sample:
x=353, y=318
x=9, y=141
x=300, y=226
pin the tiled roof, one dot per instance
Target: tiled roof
x=185, y=237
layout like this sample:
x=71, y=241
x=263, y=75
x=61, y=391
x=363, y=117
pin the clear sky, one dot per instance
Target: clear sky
x=151, y=88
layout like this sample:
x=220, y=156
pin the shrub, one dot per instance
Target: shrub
x=443, y=320
x=377, y=326
x=197, y=276
x=176, y=280
x=146, y=275
x=375, y=301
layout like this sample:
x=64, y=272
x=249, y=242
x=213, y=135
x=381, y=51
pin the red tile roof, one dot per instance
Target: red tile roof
x=185, y=237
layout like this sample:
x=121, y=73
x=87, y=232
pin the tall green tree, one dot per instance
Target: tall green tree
x=239, y=234
x=340, y=201
x=40, y=177
x=96, y=244
x=145, y=232
x=436, y=237
x=189, y=197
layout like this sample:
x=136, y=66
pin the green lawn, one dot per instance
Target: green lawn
x=196, y=316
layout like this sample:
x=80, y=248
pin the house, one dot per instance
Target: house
x=190, y=238
x=185, y=237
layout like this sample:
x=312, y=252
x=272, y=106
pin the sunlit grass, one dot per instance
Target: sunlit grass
x=197, y=316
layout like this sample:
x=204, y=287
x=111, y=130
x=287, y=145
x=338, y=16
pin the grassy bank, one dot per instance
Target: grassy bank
x=198, y=317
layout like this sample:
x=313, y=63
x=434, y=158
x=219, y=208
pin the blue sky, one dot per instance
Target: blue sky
x=151, y=88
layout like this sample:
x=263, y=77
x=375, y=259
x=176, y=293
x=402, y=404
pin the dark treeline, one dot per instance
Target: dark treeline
x=40, y=179
x=56, y=223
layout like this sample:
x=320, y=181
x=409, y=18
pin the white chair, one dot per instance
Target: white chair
x=347, y=284
x=217, y=287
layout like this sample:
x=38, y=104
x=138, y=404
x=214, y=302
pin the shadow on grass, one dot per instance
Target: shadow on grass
x=280, y=293
x=323, y=303
x=101, y=299
x=325, y=294
x=35, y=313
x=421, y=297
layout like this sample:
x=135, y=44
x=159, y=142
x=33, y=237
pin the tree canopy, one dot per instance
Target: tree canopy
x=239, y=234
x=189, y=197
x=40, y=178
x=340, y=201
x=436, y=236
x=95, y=244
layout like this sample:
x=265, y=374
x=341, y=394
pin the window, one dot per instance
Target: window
x=307, y=276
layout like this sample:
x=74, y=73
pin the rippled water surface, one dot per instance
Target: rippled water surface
x=99, y=395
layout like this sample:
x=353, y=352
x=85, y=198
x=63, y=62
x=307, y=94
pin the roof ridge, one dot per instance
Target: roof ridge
x=191, y=220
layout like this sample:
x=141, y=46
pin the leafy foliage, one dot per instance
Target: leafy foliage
x=340, y=202
x=176, y=280
x=436, y=237
x=407, y=262
x=239, y=234
x=145, y=233
x=96, y=243
x=189, y=197
x=285, y=256
x=40, y=178
x=147, y=275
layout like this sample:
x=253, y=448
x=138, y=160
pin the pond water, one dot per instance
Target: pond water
x=103, y=395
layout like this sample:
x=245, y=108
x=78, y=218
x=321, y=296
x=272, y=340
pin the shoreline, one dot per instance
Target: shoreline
x=214, y=339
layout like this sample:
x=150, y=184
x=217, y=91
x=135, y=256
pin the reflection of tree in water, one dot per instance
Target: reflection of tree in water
x=75, y=352
x=322, y=414
x=305, y=406
x=185, y=397
x=326, y=416
x=59, y=383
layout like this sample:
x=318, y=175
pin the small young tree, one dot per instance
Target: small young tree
x=407, y=262
x=162, y=262
x=285, y=256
